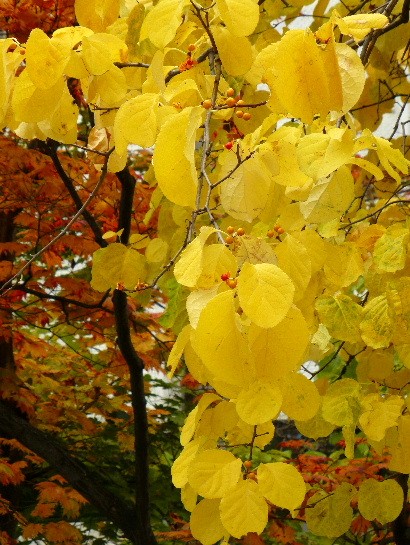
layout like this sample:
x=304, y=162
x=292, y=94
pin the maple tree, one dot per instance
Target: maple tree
x=204, y=187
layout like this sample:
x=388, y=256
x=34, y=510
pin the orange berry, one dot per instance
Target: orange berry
x=230, y=230
x=229, y=145
x=207, y=104
x=229, y=239
x=191, y=47
x=230, y=92
x=240, y=231
x=240, y=102
x=247, y=116
x=225, y=276
x=252, y=476
x=247, y=464
x=230, y=101
x=271, y=233
x=231, y=282
x=280, y=230
x=239, y=113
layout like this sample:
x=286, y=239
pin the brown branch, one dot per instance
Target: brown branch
x=62, y=299
x=68, y=182
x=136, y=369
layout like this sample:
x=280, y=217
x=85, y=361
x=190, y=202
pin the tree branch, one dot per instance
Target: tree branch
x=68, y=182
x=83, y=479
x=136, y=369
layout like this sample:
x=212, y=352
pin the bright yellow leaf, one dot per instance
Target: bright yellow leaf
x=235, y=52
x=189, y=266
x=301, y=399
x=161, y=23
x=45, y=62
x=219, y=342
x=259, y=403
x=205, y=522
x=174, y=156
x=377, y=325
x=265, y=293
x=341, y=315
x=97, y=14
x=379, y=415
x=214, y=472
x=361, y=24
x=390, y=250
x=282, y=485
x=244, y=509
x=240, y=16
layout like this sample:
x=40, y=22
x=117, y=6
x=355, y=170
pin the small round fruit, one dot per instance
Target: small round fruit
x=191, y=47
x=230, y=230
x=239, y=113
x=246, y=116
x=229, y=239
x=240, y=102
x=280, y=230
x=248, y=464
x=240, y=231
x=230, y=92
x=252, y=476
x=231, y=282
x=230, y=101
x=207, y=104
x=229, y=145
x=225, y=276
x=271, y=233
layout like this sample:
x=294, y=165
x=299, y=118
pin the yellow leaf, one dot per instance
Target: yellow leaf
x=282, y=485
x=244, y=433
x=61, y=122
x=161, y=23
x=315, y=427
x=301, y=399
x=217, y=421
x=244, y=509
x=280, y=349
x=329, y=198
x=189, y=497
x=109, y=88
x=174, y=156
x=181, y=465
x=352, y=75
x=217, y=260
x=321, y=154
x=254, y=250
x=259, y=403
x=178, y=349
x=214, y=472
x=332, y=515
x=360, y=25
x=400, y=451
x=379, y=415
x=240, y=16
x=205, y=522
x=100, y=51
x=156, y=251
x=45, y=62
x=342, y=317
x=117, y=264
x=294, y=260
x=97, y=14
x=136, y=122
x=390, y=250
x=340, y=404
x=282, y=161
x=219, y=342
x=197, y=301
x=189, y=427
x=31, y=104
x=348, y=254
x=377, y=325
x=300, y=77
x=245, y=192
x=265, y=293
x=235, y=52
x=380, y=500
x=189, y=266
